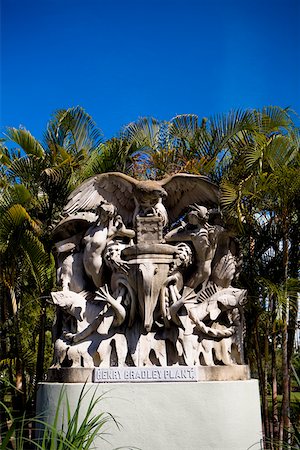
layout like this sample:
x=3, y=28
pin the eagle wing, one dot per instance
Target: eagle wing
x=185, y=189
x=115, y=188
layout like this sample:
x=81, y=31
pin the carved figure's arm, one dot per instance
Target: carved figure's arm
x=116, y=227
x=119, y=310
x=91, y=328
x=179, y=234
x=77, y=337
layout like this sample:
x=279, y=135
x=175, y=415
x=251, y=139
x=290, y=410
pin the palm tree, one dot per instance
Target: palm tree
x=184, y=144
x=260, y=192
x=23, y=260
x=39, y=177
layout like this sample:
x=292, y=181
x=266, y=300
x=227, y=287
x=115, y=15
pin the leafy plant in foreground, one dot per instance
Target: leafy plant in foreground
x=68, y=433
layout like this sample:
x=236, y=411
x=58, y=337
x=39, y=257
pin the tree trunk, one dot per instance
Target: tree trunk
x=20, y=395
x=265, y=398
x=41, y=345
x=294, y=258
x=275, y=418
x=3, y=355
x=285, y=411
x=261, y=376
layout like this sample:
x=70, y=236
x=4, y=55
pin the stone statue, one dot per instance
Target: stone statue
x=146, y=271
x=107, y=227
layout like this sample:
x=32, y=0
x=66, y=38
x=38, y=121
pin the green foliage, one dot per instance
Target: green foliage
x=72, y=131
x=38, y=178
x=26, y=141
x=67, y=431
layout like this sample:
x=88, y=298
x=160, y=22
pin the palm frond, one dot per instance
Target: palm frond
x=27, y=142
x=12, y=225
x=202, y=143
x=232, y=198
x=183, y=127
x=5, y=157
x=115, y=155
x=59, y=156
x=53, y=178
x=273, y=118
x=37, y=258
x=228, y=128
x=15, y=194
x=144, y=133
x=229, y=194
x=75, y=130
x=286, y=293
x=253, y=153
x=27, y=170
x=54, y=134
x=281, y=151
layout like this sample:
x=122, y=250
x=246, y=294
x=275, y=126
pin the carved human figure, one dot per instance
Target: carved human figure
x=204, y=239
x=108, y=226
x=94, y=322
x=70, y=271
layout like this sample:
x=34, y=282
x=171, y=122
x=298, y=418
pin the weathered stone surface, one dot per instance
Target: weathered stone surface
x=147, y=271
x=70, y=375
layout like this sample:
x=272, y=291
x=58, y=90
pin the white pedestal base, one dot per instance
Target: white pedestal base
x=214, y=415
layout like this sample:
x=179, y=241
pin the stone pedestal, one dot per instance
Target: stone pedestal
x=203, y=415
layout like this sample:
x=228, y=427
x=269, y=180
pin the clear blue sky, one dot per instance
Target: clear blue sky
x=123, y=59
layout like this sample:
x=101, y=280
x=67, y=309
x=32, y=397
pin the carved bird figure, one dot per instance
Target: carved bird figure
x=167, y=197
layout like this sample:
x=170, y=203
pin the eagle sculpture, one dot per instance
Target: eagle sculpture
x=169, y=196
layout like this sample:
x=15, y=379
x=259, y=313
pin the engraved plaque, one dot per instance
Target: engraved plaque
x=149, y=229
x=144, y=374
